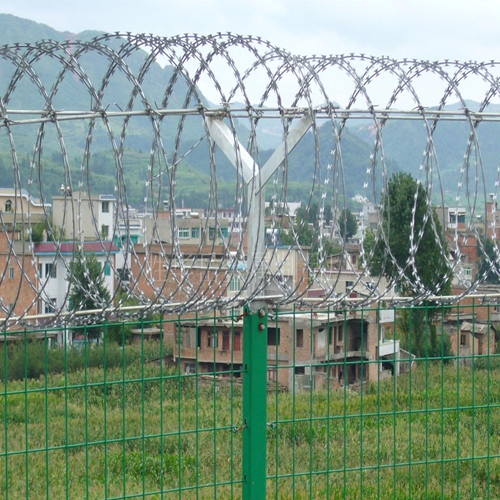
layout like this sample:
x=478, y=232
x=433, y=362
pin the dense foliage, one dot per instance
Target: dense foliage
x=30, y=357
x=489, y=268
x=86, y=278
x=406, y=211
x=348, y=225
x=88, y=289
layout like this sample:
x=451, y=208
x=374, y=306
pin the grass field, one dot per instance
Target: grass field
x=139, y=429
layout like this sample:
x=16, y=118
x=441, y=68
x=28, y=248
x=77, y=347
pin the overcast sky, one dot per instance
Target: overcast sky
x=424, y=29
x=429, y=29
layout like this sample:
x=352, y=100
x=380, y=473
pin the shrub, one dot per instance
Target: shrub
x=119, y=333
x=32, y=358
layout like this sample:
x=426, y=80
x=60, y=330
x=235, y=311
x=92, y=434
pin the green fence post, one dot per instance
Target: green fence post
x=254, y=403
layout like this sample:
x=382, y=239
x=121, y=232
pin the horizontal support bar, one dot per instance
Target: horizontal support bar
x=255, y=113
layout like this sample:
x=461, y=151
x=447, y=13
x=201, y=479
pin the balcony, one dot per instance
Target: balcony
x=388, y=348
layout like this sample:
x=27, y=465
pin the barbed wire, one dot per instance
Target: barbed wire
x=72, y=101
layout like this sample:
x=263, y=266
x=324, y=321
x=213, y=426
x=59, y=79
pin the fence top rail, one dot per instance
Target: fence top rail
x=322, y=309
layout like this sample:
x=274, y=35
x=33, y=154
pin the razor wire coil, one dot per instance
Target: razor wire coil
x=254, y=83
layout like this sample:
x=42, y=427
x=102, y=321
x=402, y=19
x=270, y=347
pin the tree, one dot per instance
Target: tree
x=120, y=333
x=428, y=259
x=405, y=211
x=489, y=269
x=312, y=213
x=88, y=290
x=37, y=232
x=302, y=233
x=45, y=231
x=305, y=233
x=418, y=334
x=348, y=225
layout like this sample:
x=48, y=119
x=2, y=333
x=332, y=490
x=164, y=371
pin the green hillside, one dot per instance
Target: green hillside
x=405, y=142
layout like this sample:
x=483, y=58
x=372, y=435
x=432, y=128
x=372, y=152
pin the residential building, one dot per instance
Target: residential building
x=189, y=226
x=473, y=339
x=463, y=250
x=452, y=218
x=83, y=217
x=18, y=279
x=304, y=351
x=155, y=272
x=17, y=206
x=53, y=261
x=369, y=216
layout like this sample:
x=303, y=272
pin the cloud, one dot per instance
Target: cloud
x=423, y=29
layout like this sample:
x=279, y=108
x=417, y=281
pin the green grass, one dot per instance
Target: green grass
x=140, y=428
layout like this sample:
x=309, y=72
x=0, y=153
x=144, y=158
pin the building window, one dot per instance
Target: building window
x=104, y=232
x=300, y=370
x=463, y=340
x=212, y=339
x=105, y=207
x=273, y=336
x=340, y=333
x=299, y=339
x=211, y=233
x=460, y=218
x=235, y=284
x=225, y=340
x=50, y=271
x=8, y=206
x=50, y=306
x=107, y=269
x=349, y=285
x=183, y=232
x=195, y=232
x=11, y=273
x=223, y=232
x=237, y=341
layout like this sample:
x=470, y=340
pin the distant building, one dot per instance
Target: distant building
x=18, y=281
x=471, y=338
x=189, y=226
x=83, y=217
x=304, y=352
x=17, y=206
x=369, y=216
x=452, y=218
x=53, y=263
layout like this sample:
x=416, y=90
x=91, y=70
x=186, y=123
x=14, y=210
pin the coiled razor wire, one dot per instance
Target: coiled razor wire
x=258, y=89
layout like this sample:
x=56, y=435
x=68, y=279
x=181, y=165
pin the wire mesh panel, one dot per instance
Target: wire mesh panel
x=361, y=417
x=156, y=409
x=117, y=419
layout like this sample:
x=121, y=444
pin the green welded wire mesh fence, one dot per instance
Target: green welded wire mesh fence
x=357, y=403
